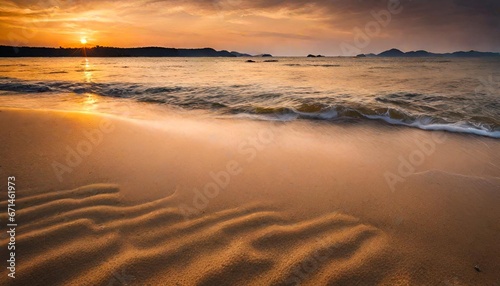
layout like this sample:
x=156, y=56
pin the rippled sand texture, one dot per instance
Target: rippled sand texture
x=312, y=207
x=89, y=234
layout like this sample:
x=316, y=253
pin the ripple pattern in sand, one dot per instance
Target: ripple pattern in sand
x=89, y=236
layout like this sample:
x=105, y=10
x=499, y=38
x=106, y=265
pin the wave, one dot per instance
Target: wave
x=389, y=115
x=423, y=111
x=24, y=87
x=104, y=89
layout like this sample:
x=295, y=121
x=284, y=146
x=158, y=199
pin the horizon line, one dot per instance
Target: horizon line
x=230, y=51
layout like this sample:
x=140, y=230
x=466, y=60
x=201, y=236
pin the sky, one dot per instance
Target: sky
x=279, y=27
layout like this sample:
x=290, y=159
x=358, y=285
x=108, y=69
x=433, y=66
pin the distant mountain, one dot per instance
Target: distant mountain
x=98, y=51
x=419, y=54
x=473, y=54
x=391, y=53
x=240, y=54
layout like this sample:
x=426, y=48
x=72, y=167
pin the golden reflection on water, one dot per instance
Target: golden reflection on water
x=87, y=71
x=90, y=101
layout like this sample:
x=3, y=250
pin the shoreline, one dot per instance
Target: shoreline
x=229, y=201
x=122, y=108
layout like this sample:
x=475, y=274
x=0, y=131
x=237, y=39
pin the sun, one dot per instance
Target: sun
x=83, y=41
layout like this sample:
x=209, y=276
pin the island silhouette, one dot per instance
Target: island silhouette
x=395, y=53
x=100, y=51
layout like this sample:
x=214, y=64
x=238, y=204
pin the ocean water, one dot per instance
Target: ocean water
x=459, y=95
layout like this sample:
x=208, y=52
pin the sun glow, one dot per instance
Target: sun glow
x=83, y=41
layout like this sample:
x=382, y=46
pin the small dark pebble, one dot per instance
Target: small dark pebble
x=250, y=61
x=477, y=268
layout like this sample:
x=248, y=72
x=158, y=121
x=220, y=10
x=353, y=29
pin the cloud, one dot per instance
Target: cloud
x=260, y=24
x=281, y=35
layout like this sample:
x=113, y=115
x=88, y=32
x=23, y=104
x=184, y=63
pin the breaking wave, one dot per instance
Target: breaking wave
x=424, y=111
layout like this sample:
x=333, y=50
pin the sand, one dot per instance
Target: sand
x=186, y=200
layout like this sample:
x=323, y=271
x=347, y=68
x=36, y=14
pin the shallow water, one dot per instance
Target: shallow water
x=460, y=95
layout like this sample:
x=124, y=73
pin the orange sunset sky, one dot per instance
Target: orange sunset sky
x=273, y=26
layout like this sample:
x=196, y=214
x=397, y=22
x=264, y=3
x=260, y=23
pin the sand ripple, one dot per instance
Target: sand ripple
x=89, y=236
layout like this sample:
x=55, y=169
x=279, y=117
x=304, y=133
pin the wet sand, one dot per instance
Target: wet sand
x=184, y=200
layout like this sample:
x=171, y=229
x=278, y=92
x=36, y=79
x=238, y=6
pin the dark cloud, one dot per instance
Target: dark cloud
x=438, y=25
x=420, y=14
x=282, y=35
x=485, y=7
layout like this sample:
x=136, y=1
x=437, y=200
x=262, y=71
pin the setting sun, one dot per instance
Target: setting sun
x=83, y=40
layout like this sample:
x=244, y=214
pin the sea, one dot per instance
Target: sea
x=453, y=94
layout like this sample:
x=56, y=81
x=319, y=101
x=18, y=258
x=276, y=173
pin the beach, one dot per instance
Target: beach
x=189, y=200
x=259, y=143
